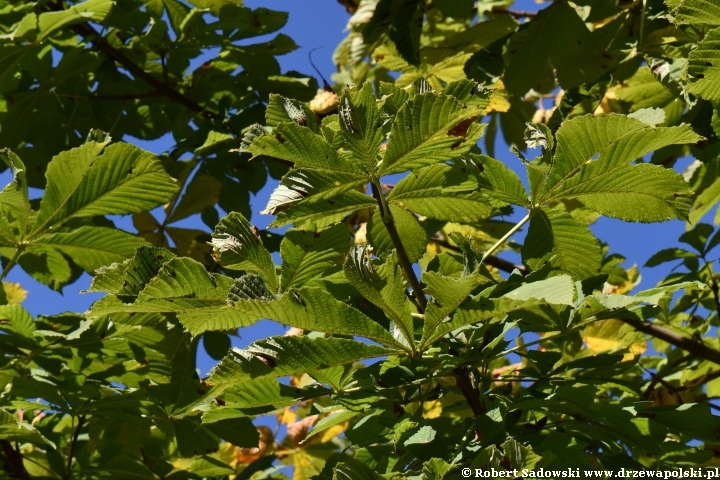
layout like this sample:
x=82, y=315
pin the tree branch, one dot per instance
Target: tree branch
x=405, y=262
x=99, y=43
x=13, y=461
x=517, y=13
x=73, y=444
x=695, y=347
x=492, y=260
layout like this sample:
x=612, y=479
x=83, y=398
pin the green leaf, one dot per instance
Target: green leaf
x=47, y=266
x=697, y=11
x=211, y=467
x=92, y=247
x=261, y=395
x=703, y=69
x=312, y=308
x=307, y=254
x=282, y=110
x=474, y=311
x=203, y=191
x=122, y=180
x=556, y=236
x=283, y=356
x=539, y=46
x=447, y=295
x=498, y=181
x=331, y=420
x=14, y=197
x=618, y=139
x=130, y=277
x=558, y=290
x=668, y=255
x=361, y=125
x=412, y=235
x=236, y=246
x=239, y=431
x=430, y=128
x=441, y=192
x=299, y=145
x=383, y=286
x=322, y=211
x=183, y=286
x=635, y=193
x=18, y=324
x=90, y=10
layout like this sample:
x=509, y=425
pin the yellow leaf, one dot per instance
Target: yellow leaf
x=306, y=465
x=499, y=101
x=612, y=336
x=288, y=417
x=333, y=431
x=432, y=409
x=14, y=292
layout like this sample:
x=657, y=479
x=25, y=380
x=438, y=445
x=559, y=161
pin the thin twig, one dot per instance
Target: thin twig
x=697, y=348
x=11, y=263
x=516, y=13
x=505, y=237
x=73, y=444
x=492, y=260
x=101, y=44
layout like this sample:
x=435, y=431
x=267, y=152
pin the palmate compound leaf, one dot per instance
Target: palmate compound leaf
x=283, y=356
x=696, y=11
x=637, y=193
x=282, y=110
x=703, y=69
x=127, y=279
x=308, y=308
x=442, y=192
x=383, y=286
x=412, y=235
x=618, y=139
x=258, y=396
x=569, y=244
x=237, y=246
x=430, y=128
x=361, y=125
x=91, y=247
x=96, y=179
x=306, y=254
x=497, y=180
x=179, y=285
x=476, y=310
x=447, y=295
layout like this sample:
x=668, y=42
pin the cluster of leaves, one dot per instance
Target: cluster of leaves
x=186, y=71
x=399, y=362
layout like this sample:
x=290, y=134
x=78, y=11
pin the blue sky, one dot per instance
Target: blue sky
x=320, y=23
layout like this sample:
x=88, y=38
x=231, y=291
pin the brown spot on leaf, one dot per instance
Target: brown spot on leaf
x=461, y=129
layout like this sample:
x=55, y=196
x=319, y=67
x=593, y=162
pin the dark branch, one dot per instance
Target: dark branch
x=129, y=96
x=349, y=6
x=12, y=461
x=695, y=347
x=492, y=260
x=517, y=13
x=73, y=445
x=405, y=262
x=100, y=44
